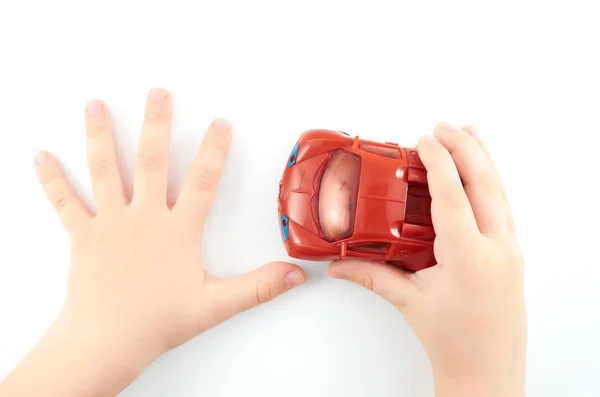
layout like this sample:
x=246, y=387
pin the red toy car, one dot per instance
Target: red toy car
x=343, y=197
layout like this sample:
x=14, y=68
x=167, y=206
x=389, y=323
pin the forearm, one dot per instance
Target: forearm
x=71, y=360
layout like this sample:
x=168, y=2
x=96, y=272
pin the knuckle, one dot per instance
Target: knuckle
x=513, y=255
x=99, y=168
x=57, y=194
x=96, y=129
x=263, y=292
x=151, y=161
x=479, y=257
x=217, y=314
x=455, y=198
x=158, y=115
x=488, y=184
x=49, y=177
x=60, y=200
x=205, y=179
x=401, y=303
x=368, y=282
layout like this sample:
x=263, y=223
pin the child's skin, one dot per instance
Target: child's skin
x=137, y=286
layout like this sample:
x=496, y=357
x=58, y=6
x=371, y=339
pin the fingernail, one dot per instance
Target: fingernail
x=41, y=157
x=221, y=124
x=338, y=276
x=157, y=94
x=94, y=107
x=293, y=279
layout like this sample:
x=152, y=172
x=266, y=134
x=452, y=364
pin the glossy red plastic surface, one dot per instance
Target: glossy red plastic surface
x=389, y=218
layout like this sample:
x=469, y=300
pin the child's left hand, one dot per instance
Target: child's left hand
x=137, y=286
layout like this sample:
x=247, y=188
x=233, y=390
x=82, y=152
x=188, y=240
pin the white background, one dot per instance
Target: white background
x=525, y=73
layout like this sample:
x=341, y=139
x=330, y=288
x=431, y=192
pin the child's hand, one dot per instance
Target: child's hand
x=469, y=310
x=136, y=278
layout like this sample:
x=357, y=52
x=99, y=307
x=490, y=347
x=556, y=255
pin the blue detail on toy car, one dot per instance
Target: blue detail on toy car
x=292, y=159
x=284, y=227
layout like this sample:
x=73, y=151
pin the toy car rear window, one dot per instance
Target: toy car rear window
x=389, y=152
x=338, y=194
x=370, y=248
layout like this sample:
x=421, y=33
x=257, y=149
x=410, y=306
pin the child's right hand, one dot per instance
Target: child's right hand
x=468, y=311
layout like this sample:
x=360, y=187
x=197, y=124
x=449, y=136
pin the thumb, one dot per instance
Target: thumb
x=235, y=295
x=393, y=284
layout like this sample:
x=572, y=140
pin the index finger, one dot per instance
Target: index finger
x=451, y=211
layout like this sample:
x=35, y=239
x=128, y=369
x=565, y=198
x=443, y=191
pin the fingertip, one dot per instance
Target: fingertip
x=159, y=107
x=337, y=275
x=45, y=165
x=294, y=278
x=40, y=158
x=427, y=139
x=221, y=124
x=59, y=192
x=291, y=272
x=442, y=127
x=335, y=272
x=95, y=107
x=221, y=131
x=429, y=148
x=471, y=130
x=158, y=93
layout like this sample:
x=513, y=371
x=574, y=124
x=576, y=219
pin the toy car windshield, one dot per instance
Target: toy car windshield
x=338, y=194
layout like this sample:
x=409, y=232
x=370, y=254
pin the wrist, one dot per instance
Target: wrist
x=480, y=385
x=497, y=370
x=121, y=351
x=94, y=351
x=72, y=359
